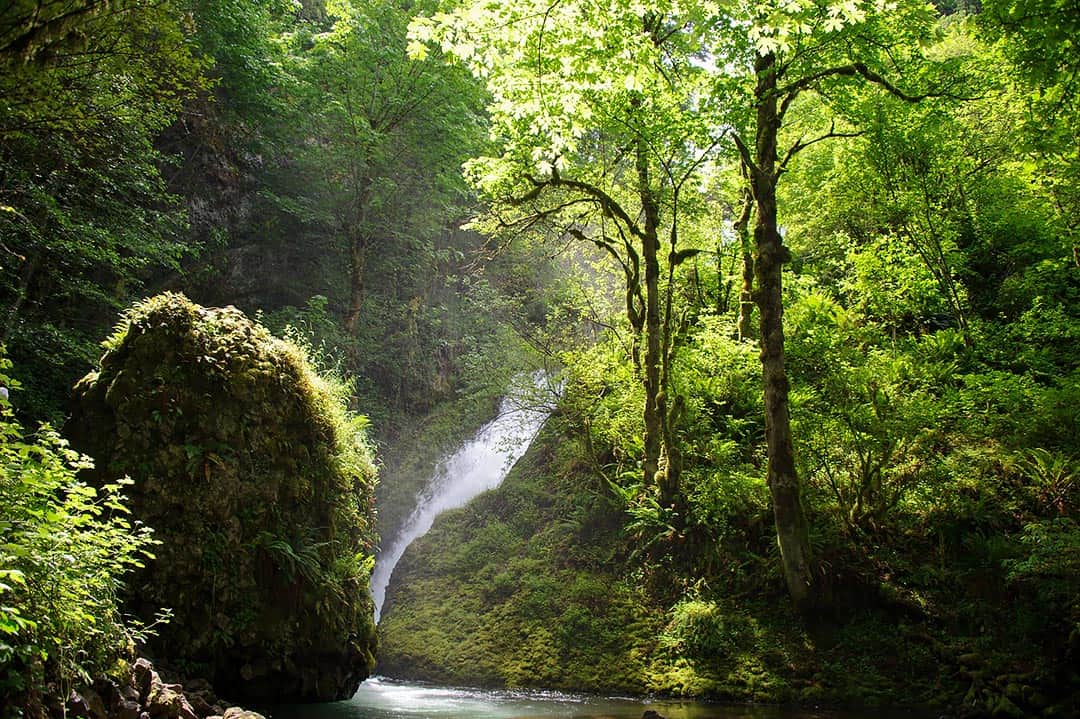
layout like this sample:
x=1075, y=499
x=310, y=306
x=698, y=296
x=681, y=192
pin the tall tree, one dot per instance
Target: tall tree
x=84, y=214
x=1040, y=37
x=382, y=130
x=801, y=47
x=598, y=106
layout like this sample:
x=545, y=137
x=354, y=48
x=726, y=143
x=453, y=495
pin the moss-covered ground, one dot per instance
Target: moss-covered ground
x=534, y=584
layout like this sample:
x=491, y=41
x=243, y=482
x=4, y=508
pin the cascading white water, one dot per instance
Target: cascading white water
x=478, y=465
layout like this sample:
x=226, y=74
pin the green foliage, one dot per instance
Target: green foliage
x=66, y=550
x=1051, y=567
x=85, y=212
x=699, y=631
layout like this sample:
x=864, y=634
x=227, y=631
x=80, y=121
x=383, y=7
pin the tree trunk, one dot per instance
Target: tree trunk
x=746, y=293
x=654, y=397
x=670, y=496
x=357, y=266
x=791, y=526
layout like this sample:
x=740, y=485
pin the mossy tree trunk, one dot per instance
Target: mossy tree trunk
x=650, y=245
x=791, y=526
x=746, y=292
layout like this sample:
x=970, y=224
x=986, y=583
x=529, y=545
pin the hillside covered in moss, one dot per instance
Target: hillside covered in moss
x=960, y=598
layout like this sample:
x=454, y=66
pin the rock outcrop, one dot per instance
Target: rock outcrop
x=144, y=695
x=259, y=485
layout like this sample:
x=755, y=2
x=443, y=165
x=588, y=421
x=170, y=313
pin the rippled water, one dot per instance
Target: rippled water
x=380, y=698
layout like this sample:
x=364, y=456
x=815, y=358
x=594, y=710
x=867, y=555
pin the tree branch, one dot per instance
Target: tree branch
x=791, y=91
x=608, y=205
x=799, y=145
x=745, y=155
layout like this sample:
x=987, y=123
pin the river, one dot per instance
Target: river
x=380, y=698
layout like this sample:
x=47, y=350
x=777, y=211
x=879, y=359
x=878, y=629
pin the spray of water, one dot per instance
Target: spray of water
x=478, y=465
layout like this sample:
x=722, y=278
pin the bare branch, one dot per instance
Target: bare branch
x=791, y=91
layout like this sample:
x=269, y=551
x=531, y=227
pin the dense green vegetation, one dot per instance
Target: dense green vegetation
x=810, y=267
x=64, y=546
x=921, y=508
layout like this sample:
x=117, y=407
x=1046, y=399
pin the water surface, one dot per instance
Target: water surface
x=381, y=698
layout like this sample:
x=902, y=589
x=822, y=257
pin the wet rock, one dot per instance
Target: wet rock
x=238, y=713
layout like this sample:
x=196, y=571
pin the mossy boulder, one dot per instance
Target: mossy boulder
x=260, y=486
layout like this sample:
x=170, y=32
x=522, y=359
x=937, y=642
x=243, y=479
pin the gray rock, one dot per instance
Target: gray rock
x=168, y=702
x=128, y=709
x=144, y=676
x=238, y=713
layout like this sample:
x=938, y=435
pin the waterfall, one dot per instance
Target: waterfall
x=478, y=465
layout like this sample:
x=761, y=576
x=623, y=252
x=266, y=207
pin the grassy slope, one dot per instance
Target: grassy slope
x=513, y=589
x=528, y=586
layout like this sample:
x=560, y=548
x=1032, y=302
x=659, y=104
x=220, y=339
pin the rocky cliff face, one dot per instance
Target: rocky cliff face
x=259, y=486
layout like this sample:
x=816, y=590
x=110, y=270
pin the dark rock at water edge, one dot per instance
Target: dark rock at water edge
x=260, y=487
x=146, y=696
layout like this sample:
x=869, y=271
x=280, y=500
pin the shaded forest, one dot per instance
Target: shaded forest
x=808, y=273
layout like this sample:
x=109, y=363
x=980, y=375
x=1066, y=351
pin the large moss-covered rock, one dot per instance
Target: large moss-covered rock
x=260, y=487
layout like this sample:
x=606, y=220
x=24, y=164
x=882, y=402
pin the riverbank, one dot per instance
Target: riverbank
x=138, y=691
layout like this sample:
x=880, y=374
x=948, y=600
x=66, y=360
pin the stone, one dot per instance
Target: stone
x=650, y=714
x=87, y=704
x=971, y=659
x=144, y=675
x=238, y=713
x=76, y=706
x=127, y=710
x=208, y=413
x=1005, y=709
x=168, y=701
x=129, y=692
x=108, y=690
x=202, y=706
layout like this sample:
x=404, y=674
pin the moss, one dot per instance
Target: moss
x=539, y=583
x=496, y=594
x=260, y=486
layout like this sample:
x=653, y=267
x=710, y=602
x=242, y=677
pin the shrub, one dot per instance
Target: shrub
x=64, y=550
